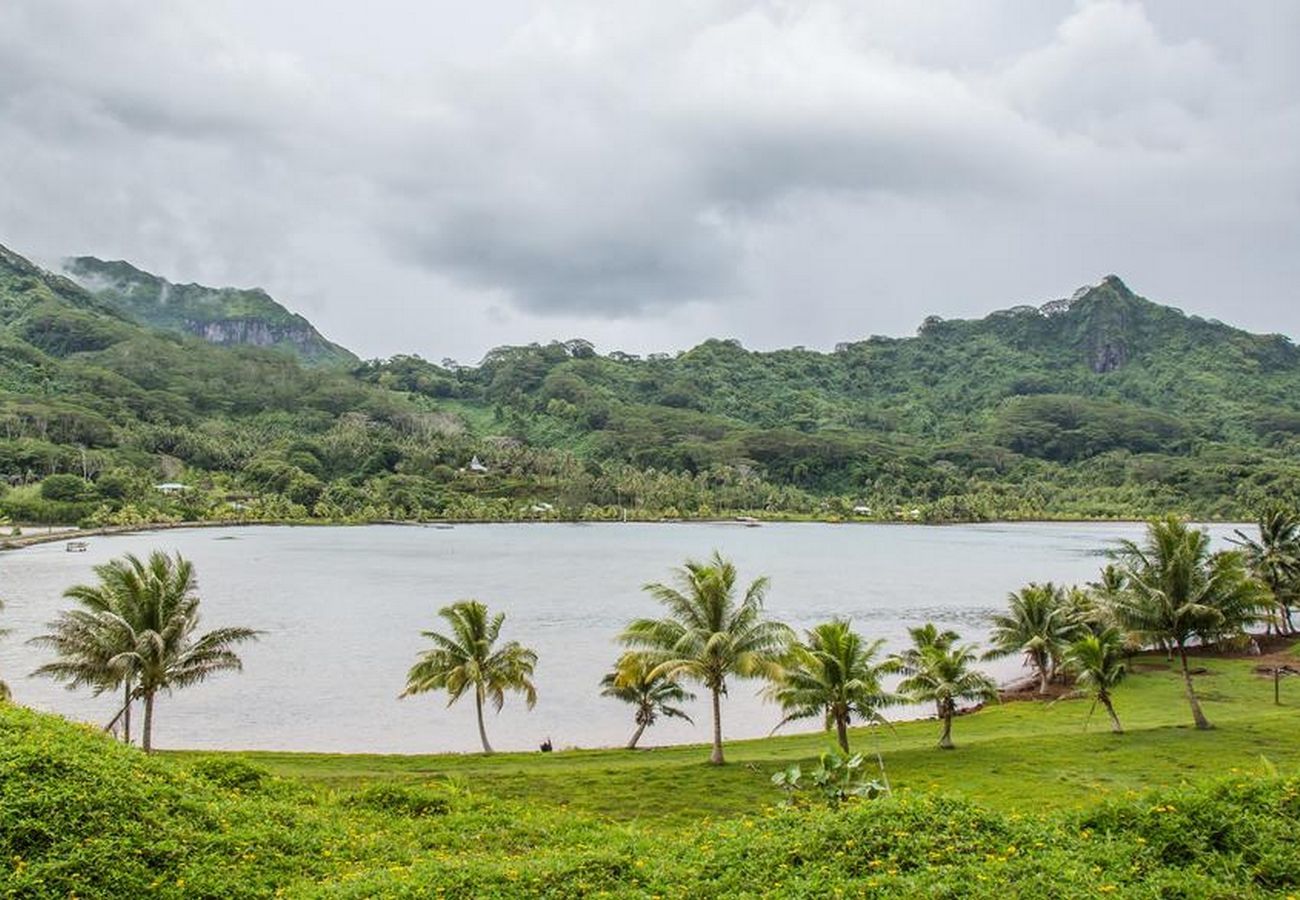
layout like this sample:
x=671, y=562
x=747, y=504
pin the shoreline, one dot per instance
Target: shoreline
x=21, y=542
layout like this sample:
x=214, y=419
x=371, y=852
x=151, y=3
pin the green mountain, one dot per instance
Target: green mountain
x=226, y=316
x=1105, y=404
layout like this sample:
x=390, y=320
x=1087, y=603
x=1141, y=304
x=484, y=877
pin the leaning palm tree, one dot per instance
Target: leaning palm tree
x=1177, y=591
x=144, y=634
x=634, y=681
x=1275, y=559
x=1097, y=663
x=944, y=676
x=1039, y=624
x=709, y=636
x=833, y=674
x=469, y=660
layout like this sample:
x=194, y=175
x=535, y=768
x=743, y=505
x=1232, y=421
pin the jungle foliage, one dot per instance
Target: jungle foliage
x=1106, y=405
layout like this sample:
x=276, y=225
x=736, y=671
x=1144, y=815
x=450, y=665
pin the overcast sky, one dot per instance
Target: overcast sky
x=444, y=177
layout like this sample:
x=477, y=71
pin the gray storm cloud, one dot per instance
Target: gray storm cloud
x=442, y=179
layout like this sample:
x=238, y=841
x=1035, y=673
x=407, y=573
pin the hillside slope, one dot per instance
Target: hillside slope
x=1103, y=405
x=226, y=316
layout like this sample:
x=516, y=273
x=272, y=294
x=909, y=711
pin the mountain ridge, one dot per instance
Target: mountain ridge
x=225, y=316
x=1105, y=404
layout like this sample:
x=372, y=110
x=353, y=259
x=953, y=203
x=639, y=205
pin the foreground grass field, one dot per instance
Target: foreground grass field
x=1028, y=806
x=1012, y=757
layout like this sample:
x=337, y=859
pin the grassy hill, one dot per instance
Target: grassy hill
x=1029, y=805
x=1103, y=405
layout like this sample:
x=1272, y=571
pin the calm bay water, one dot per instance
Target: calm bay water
x=342, y=609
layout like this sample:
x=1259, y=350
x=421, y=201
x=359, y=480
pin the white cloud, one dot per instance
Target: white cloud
x=443, y=180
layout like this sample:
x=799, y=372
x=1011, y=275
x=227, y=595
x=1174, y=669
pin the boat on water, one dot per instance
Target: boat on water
x=76, y=546
x=748, y=521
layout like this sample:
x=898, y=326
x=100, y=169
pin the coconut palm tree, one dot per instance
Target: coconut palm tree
x=88, y=640
x=635, y=681
x=138, y=627
x=709, y=636
x=944, y=676
x=923, y=637
x=1097, y=663
x=469, y=660
x=1275, y=559
x=1038, y=624
x=833, y=674
x=1176, y=591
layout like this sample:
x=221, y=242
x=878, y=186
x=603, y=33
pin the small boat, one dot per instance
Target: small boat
x=748, y=521
x=75, y=547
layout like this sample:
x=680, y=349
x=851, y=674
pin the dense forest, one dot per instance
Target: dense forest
x=1102, y=405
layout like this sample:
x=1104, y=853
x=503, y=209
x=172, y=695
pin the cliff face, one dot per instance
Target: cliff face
x=225, y=316
x=257, y=333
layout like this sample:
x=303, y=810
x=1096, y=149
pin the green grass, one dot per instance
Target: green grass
x=1024, y=756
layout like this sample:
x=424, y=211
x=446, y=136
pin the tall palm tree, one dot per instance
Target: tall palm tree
x=944, y=676
x=1177, y=591
x=1275, y=559
x=1097, y=663
x=708, y=635
x=1038, y=624
x=833, y=674
x=635, y=681
x=468, y=659
x=138, y=627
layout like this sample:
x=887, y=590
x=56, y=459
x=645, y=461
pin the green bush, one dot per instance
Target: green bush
x=81, y=815
x=67, y=489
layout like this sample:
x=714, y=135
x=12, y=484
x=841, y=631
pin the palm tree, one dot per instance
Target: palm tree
x=1097, y=663
x=833, y=674
x=707, y=635
x=88, y=640
x=138, y=628
x=635, y=681
x=923, y=637
x=1275, y=559
x=944, y=676
x=469, y=659
x=1176, y=591
x=1037, y=624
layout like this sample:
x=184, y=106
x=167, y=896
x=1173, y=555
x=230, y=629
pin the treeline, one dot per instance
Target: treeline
x=1109, y=406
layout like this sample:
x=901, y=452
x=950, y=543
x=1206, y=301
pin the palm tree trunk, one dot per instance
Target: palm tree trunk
x=1202, y=723
x=1044, y=678
x=716, y=757
x=842, y=732
x=1110, y=711
x=945, y=739
x=482, y=732
x=126, y=713
x=636, y=735
x=148, y=722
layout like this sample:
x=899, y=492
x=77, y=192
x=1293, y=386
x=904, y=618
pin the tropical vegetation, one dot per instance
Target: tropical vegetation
x=1107, y=405
x=636, y=680
x=946, y=677
x=833, y=675
x=1175, y=591
x=708, y=634
x=469, y=660
x=137, y=629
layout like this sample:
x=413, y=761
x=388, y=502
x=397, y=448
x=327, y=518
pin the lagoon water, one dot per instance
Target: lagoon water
x=342, y=608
